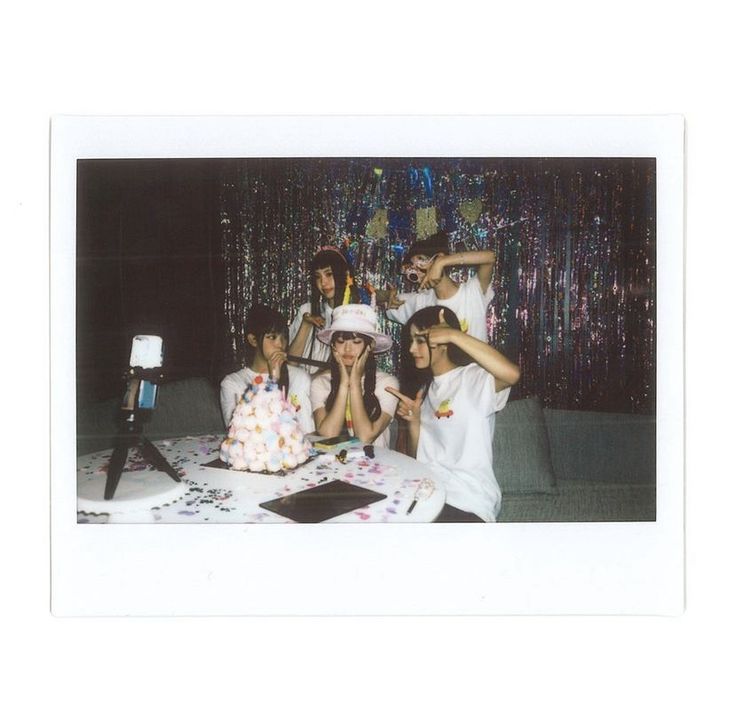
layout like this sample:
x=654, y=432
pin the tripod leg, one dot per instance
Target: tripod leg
x=115, y=468
x=154, y=457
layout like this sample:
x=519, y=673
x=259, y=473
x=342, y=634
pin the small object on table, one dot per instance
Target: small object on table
x=424, y=490
x=369, y=451
x=342, y=456
x=331, y=444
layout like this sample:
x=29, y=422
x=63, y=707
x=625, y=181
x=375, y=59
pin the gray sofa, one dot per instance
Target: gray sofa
x=569, y=466
x=553, y=465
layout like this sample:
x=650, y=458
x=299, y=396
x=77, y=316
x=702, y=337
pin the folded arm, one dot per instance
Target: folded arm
x=505, y=372
x=483, y=260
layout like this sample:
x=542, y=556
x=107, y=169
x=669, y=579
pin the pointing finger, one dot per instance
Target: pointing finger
x=400, y=396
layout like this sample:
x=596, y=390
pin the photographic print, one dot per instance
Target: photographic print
x=444, y=331
x=554, y=261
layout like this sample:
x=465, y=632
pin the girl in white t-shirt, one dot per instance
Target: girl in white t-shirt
x=450, y=405
x=426, y=266
x=266, y=334
x=352, y=395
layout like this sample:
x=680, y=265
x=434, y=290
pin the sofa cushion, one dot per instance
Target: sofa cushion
x=521, y=454
x=583, y=501
x=189, y=407
x=97, y=425
x=602, y=447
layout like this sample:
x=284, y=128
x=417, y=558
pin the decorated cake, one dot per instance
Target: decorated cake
x=264, y=435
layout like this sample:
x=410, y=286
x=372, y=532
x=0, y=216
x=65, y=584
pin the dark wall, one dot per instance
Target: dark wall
x=148, y=262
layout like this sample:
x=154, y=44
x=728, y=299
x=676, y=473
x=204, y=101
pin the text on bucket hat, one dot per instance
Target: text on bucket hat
x=358, y=319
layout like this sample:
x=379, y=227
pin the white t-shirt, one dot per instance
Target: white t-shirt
x=456, y=437
x=313, y=349
x=322, y=383
x=469, y=304
x=299, y=384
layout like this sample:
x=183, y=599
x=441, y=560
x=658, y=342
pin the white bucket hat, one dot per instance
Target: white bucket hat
x=358, y=319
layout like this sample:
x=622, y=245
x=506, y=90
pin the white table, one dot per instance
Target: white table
x=210, y=495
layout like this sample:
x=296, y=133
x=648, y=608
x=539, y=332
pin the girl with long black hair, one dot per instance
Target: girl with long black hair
x=457, y=385
x=332, y=281
x=351, y=397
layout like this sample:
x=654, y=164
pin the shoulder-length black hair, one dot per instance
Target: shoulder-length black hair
x=372, y=405
x=263, y=320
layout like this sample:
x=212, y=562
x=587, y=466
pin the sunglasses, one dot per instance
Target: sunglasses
x=414, y=272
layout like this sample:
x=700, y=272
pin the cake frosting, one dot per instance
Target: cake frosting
x=264, y=434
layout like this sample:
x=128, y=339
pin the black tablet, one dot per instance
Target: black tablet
x=323, y=502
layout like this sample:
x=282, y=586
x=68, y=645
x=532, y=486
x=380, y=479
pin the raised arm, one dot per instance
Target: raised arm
x=298, y=343
x=329, y=424
x=504, y=371
x=483, y=260
x=365, y=430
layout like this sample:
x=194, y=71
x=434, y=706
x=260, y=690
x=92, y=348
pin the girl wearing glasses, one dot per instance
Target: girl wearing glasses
x=428, y=261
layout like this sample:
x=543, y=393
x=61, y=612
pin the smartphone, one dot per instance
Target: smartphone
x=330, y=443
x=146, y=351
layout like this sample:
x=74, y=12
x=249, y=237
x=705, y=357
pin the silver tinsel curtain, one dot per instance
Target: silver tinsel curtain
x=574, y=238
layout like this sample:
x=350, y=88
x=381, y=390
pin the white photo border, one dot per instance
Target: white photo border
x=511, y=568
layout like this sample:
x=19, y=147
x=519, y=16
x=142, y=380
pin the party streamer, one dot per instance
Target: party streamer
x=574, y=240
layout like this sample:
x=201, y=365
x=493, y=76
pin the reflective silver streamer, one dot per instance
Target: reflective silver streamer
x=574, y=238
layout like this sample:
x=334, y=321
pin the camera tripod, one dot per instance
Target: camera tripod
x=131, y=435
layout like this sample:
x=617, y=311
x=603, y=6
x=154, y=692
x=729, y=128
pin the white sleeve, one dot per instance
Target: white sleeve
x=411, y=304
x=230, y=391
x=388, y=402
x=488, y=399
x=299, y=390
x=474, y=286
x=320, y=387
x=293, y=329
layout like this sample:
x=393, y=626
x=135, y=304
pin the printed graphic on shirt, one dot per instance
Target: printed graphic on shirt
x=444, y=410
x=294, y=399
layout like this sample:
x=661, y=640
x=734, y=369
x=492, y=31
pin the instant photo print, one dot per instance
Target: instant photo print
x=556, y=242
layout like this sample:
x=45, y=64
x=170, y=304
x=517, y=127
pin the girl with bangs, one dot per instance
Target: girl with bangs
x=266, y=333
x=332, y=284
x=456, y=385
x=352, y=396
